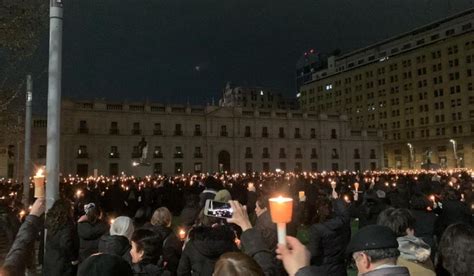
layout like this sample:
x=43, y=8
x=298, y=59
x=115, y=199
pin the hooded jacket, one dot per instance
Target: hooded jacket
x=205, y=246
x=415, y=255
x=172, y=247
x=89, y=235
x=114, y=245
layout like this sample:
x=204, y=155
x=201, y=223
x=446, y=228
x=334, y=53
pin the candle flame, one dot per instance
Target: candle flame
x=39, y=172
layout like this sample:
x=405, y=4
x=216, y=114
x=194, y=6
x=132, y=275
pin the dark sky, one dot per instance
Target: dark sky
x=186, y=50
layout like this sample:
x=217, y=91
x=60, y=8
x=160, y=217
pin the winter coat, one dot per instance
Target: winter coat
x=89, y=235
x=205, y=246
x=172, y=248
x=388, y=271
x=189, y=214
x=265, y=226
x=452, y=212
x=141, y=269
x=415, y=255
x=60, y=251
x=24, y=242
x=253, y=245
x=328, y=242
x=114, y=245
x=425, y=226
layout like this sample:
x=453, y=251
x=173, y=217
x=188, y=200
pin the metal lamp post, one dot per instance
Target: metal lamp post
x=27, y=157
x=455, y=154
x=410, y=148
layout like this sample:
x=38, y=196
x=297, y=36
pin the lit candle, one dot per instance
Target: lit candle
x=333, y=185
x=356, y=186
x=39, y=184
x=281, y=209
x=301, y=195
x=78, y=193
x=346, y=199
x=182, y=234
x=112, y=220
x=22, y=214
x=432, y=198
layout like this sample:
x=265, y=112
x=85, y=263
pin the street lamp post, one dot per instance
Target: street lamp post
x=27, y=156
x=455, y=154
x=411, y=159
x=54, y=100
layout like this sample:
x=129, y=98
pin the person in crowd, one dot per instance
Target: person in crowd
x=161, y=225
x=117, y=242
x=15, y=261
x=453, y=210
x=425, y=219
x=295, y=258
x=211, y=185
x=145, y=253
x=329, y=236
x=414, y=252
x=140, y=218
x=374, y=249
x=190, y=210
x=90, y=228
x=61, y=251
x=372, y=205
x=456, y=251
x=104, y=265
x=236, y=264
x=264, y=223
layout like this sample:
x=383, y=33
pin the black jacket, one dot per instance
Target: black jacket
x=141, y=269
x=452, y=212
x=328, y=241
x=89, y=235
x=268, y=230
x=20, y=250
x=205, y=246
x=254, y=246
x=425, y=226
x=60, y=251
x=114, y=245
x=172, y=247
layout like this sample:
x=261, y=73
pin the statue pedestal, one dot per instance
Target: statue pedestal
x=141, y=168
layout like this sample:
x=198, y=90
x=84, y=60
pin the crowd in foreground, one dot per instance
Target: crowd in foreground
x=409, y=223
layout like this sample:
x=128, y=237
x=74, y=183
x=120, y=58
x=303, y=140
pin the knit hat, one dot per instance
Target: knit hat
x=88, y=207
x=122, y=226
x=223, y=196
x=372, y=237
x=104, y=265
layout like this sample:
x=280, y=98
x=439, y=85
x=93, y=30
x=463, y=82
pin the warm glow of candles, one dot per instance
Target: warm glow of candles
x=281, y=209
x=38, y=179
x=356, y=186
x=78, y=193
x=182, y=234
x=346, y=199
x=111, y=221
x=301, y=195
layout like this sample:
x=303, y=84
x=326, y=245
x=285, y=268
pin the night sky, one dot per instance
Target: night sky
x=175, y=51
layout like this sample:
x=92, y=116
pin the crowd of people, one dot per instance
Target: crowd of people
x=378, y=222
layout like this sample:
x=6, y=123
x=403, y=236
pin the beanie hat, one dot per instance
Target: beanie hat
x=104, y=265
x=122, y=226
x=223, y=196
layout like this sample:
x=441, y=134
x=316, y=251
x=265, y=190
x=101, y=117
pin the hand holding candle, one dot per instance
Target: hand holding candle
x=39, y=184
x=281, y=210
x=182, y=234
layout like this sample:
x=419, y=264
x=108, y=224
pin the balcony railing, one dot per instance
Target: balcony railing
x=83, y=130
x=297, y=135
x=247, y=134
x=178, y=133
x=82, y=155
x=281, y=135
x=298, y=156
x=314, y=156
x=157, y=155
x=136, y=131
x=224, y=133
x=356, y=156
x=313, y=135
x=335, y=156
x=265, y=134
x=372, y=156
x=282, y=155
x=248, y=155
x=113, y=131
x=197, y=133
x=265, y=155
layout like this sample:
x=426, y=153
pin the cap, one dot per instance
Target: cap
x=372, y=237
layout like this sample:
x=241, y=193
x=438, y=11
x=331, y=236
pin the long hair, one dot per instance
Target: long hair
x=323, y=210
x=58, y=216
x=235, y=264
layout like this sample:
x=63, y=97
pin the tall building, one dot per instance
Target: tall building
x=417, y=87
x=111, y=137
x=256, y=97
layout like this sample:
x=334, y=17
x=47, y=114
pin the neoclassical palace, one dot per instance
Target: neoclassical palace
x=143, y=138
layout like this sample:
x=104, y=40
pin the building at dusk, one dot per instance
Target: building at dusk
x=418, y=87
x=107, y=137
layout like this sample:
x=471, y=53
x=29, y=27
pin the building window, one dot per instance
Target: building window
x=334, y=154
x=114, y=153
x=136, y=152
x=265, y=153
x=247, y=132
x=281, y=132
x=248, y=167
x=266, y=166
x=333, y=134
x=297, y=133
x=197, y=130
x=335, y=166
x=178, y=168
x=178, y=131
x=178, y=152
x=264, y=132
x=157, y=168
x=136, y=129
x=198, y=167
x=114, y=169
x=41, y=152
x=113, y=128
x=314, y=154
x=298, y=153
x=356, y=154
x=224, y=131
x=83, y=127
x=282, y=153
x=248, y=152
x=197, y=152
x=313, y=133
x=372, y=154
x=157, y=153
x=82, y=152
x=283, y=166
x=157, y=130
